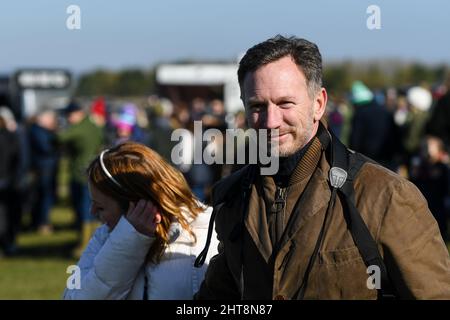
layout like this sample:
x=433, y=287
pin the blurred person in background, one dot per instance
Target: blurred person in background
x=346, y=112
x=9, y=160
x=419, y=100
x=181, y=118
x=127, y=127
x=124, y=129
x=153, y=229
x=391, y=99
x=160, y=126
x=335, y=117
x=439, y=123
x=373, y=130
x=240, y=145
x=19, y=192
x=430, y=173
x=44, y=165
x=82, y=140
x=215, y=118
x=98, y=112
x=401, y=112
x=198, y=109
x=200, y=176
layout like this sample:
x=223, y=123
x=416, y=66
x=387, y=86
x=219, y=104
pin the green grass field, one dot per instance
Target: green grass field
x=39, y=269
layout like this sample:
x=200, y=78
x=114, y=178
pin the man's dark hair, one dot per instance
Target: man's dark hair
x=305, y=54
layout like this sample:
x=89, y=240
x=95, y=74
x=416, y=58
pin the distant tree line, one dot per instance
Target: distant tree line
x=337, y=78
x=378, y=75
x=128, y=82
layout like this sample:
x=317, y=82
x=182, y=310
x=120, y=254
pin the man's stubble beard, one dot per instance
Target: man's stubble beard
x=303, y=140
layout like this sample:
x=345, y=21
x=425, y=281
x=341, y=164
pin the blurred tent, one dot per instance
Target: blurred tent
x=182, y=83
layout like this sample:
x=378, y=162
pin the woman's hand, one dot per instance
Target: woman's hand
x=144, y=216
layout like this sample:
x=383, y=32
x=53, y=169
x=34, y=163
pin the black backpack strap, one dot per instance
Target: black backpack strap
x=200, y=260
x=246, y=184
x=352, y=163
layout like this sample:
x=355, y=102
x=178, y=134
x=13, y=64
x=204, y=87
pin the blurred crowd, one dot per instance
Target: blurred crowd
x=405, y=129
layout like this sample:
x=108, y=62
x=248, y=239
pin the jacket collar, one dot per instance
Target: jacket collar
x=314, y=198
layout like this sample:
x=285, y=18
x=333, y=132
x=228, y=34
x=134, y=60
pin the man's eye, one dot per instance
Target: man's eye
x=287, y=104
x=256, y=107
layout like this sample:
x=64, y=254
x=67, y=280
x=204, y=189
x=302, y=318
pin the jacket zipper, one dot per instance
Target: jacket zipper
x=280, y=198
x=279, y=205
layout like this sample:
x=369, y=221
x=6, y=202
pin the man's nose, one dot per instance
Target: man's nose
x=273, y=117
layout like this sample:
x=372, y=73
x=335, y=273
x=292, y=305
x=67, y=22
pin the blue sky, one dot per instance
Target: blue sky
x=116, y=34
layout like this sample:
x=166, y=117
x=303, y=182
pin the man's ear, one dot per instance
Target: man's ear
x=320, y=103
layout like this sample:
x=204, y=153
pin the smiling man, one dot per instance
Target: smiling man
x=274, y=101
x=331, y=223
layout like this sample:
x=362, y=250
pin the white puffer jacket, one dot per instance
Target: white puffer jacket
x=112, y=266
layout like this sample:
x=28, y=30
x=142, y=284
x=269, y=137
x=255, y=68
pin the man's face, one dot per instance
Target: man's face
x=276, y=97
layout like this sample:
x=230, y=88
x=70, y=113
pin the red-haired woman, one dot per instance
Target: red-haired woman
x=153, y=229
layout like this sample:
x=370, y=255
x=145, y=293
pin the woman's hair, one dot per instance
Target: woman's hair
x=143, y=174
